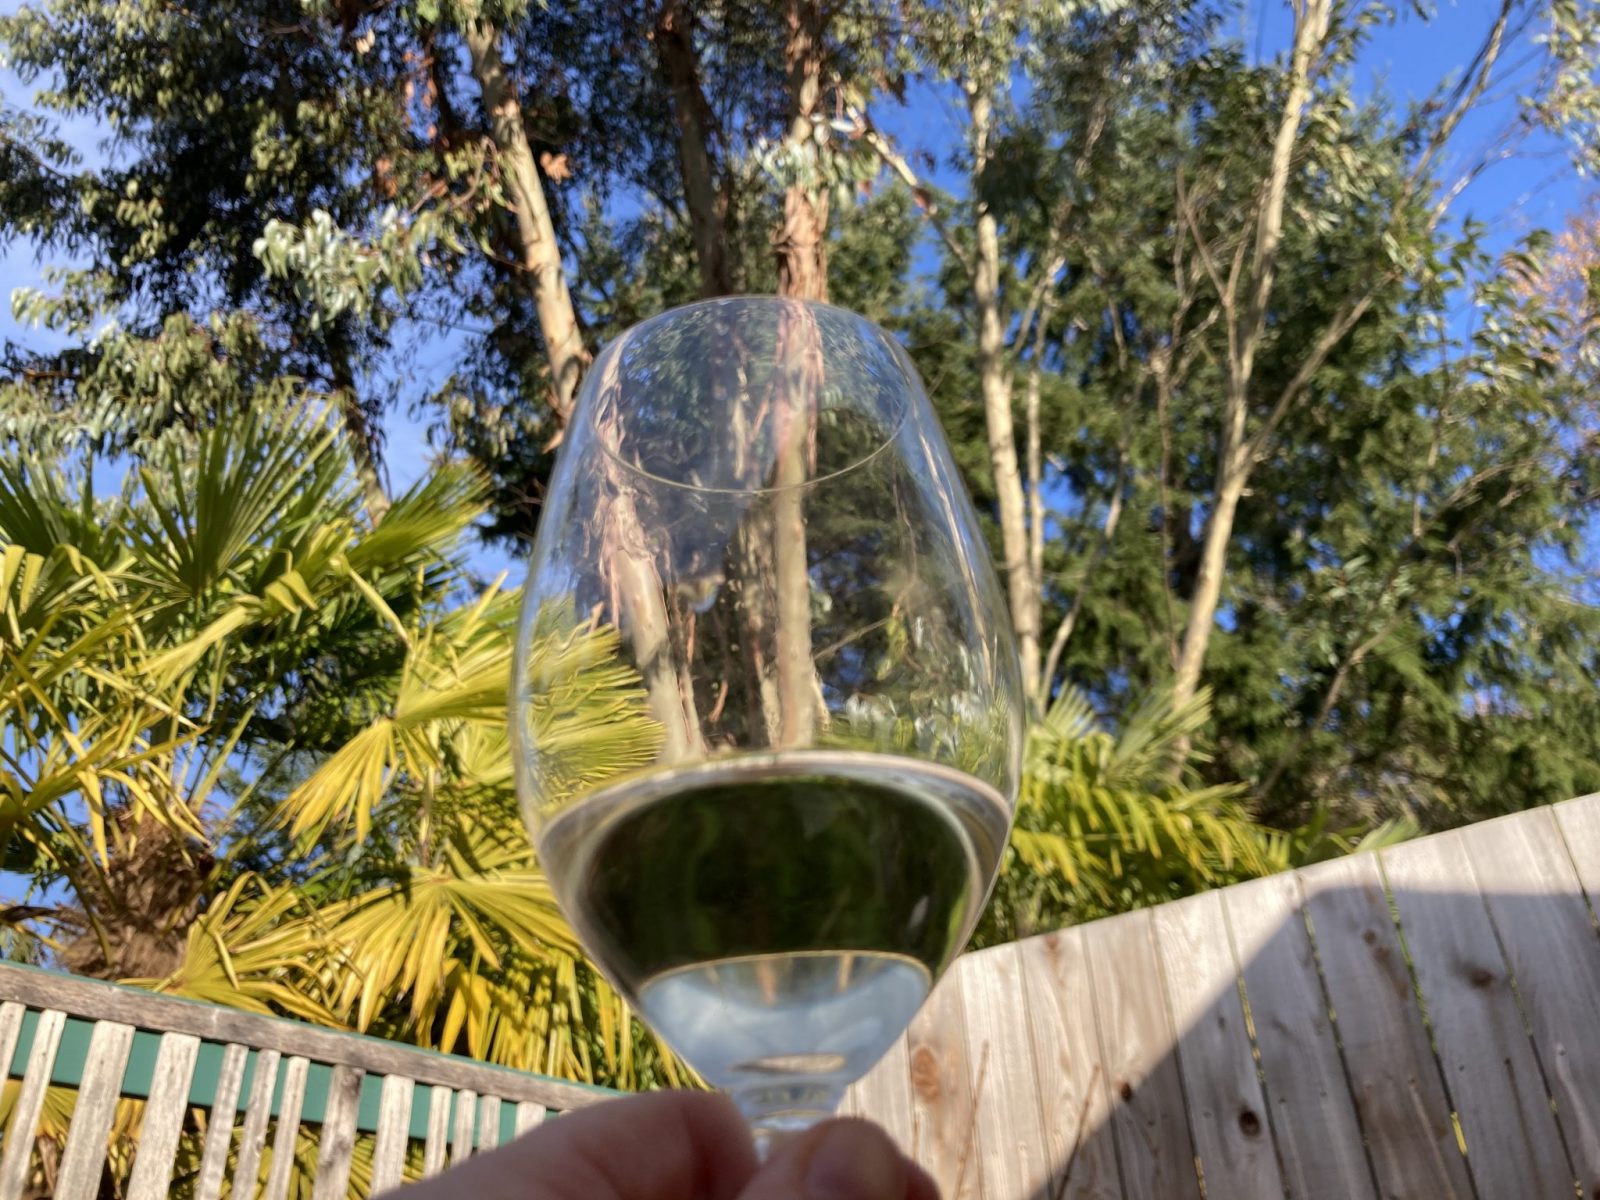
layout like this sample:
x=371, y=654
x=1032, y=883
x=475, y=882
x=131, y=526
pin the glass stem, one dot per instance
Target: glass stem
x=779, y=1109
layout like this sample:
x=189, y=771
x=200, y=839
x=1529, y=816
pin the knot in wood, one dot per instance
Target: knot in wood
x=925, y=1072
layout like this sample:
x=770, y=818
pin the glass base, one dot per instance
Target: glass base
x=777, y=1110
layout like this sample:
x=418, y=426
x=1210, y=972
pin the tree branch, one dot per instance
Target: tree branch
x=1467, y=91
x=1108, y=531
x=1330, y=337
x=919, y=190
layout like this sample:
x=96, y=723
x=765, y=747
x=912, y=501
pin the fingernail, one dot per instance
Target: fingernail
x=854, y=1161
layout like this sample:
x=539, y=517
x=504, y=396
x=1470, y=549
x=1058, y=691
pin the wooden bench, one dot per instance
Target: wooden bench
x=1420, y=1024
x=113, y=1043
x=1423, y=1024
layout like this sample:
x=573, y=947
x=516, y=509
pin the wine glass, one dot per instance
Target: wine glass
x=755, y=519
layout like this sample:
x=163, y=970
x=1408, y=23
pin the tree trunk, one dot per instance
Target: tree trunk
x=800, y=241
x=365, y=456
x=995, y=383
x=641, y=594
x=800, y=346
x=1235, y=458
x=802, y=275
x=541, y=255
x=707, y=209
x=640, y=611
x=1208, y=584
x=359, y=434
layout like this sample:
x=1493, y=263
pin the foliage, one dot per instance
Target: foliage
x=1102, y=826
x=1404, y=627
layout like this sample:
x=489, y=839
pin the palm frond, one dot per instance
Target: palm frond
x=454, y=686
x=255, y=947
x=1102, y=825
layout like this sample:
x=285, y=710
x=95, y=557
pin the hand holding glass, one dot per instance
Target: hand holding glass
x=754, y=495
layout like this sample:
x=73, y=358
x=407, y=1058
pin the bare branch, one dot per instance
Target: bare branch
x=1108, y=531
x=1467, y=91
x=1207, y=259
x=1325, y=344
x=1035, y=466
x=1311, y=30
x=1036, y=300
x=920, y=191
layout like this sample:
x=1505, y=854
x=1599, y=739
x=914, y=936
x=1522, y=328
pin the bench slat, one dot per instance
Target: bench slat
x=336, y=1140
x=219, y=1124
x=163, y=1117
x=394, y=1132
x=84, y=1157
x=287, y=1135
x=437, y=1146
x=24, y=1124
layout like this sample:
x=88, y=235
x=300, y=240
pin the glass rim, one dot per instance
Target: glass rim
x=761, y=301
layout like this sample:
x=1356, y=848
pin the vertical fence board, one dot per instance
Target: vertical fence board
x=1313, y=1114
x=1154, y=1148
x=1513, y=1147
x=1579, y=822
x=1536, y=904
x=1216, y=1063
x=884, y=1094
x=1393, y=1073
x=1074, y=1099
x=941, y=1094
x=1008, y=1130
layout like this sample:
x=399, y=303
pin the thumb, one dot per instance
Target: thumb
x=840, y=1160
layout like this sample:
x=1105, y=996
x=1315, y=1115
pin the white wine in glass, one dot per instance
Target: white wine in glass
x=755, y=512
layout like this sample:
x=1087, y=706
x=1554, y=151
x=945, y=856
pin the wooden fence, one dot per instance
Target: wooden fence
x=1421, y=1024
x=110, y=1043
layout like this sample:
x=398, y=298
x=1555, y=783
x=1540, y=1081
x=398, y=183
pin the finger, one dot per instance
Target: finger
x=666, y=1146
x=840, y=1160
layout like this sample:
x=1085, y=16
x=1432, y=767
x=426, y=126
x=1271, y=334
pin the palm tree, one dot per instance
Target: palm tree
x=1103, y=824
x=253, y=750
